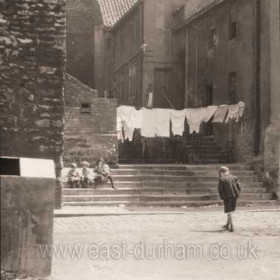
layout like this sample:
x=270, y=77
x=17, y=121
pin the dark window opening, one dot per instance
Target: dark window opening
x=9, y=166
x=209, y=95
x=232, y=87
x=212, y=38
x=233, y=21
x=85, y=108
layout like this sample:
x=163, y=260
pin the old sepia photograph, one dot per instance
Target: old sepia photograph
x=140, y=139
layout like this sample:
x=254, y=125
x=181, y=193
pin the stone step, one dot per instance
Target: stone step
x=213, y=161
x=212, y=156
x=149, y=198
x=175, y=172
x=183, y=166
x=169, y=185
x=170, y=203
x=170, y=178
x=150, y=161
x=156, y=190
x=207, y=147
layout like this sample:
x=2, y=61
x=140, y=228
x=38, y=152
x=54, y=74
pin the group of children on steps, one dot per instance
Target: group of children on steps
x=100, y=174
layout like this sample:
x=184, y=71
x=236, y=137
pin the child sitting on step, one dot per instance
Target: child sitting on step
x=86, y=180
x=74, y=176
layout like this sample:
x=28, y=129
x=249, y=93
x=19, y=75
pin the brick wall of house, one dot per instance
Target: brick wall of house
x=32, y=60
x=90, y=133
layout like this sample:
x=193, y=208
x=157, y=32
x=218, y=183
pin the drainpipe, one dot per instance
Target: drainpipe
x=257, y=77
x=140, y=104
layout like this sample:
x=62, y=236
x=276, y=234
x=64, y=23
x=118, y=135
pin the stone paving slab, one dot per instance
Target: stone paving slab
x=70, y=211
x=252, y=252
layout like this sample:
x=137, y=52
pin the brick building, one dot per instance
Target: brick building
x=90, y=124
x=137, y=63
x=198, y=53
x=229, y=54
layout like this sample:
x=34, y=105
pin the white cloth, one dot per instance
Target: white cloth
x=148, y=123
x=220, y=114
x=163, y=122
x=119, y=128
x=210, y=111
x=136, y=118
x=124, y=114
x=233, y=113
x=241, y=106
x=150, y=100
x=195, y=117
x=178, y=121
x=128, y=132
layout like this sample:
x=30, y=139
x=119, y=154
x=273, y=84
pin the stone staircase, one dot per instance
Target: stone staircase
x=204, y=150
x=167, y=185
x=192, y=149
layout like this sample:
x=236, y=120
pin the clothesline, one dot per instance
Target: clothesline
x=156, y=122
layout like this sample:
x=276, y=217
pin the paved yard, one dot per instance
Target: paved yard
x=167, y=246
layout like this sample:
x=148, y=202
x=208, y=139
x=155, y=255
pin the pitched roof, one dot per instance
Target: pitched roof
x=113, y=10
x=194, y=8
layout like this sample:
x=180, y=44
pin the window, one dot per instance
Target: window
x=232, y=87
x=121, y=92
x=212, y=38
x=85, y=108
x=232, y=21
x=114, y=88
x=209, y=95
x=132, y=79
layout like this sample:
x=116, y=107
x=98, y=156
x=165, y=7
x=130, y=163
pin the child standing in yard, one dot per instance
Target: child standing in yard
x=229, y=191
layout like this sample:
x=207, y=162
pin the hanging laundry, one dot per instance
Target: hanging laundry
x=241, y=109
x=150, y=100
x=233, y=113
x=127, y=131
x=210, y=111
x=119, y=128
x=148, y=122
x=163, y=122
x=220, y=114
x=124, y=113
x=136, y=118
x=178, y=121
x=195, y=117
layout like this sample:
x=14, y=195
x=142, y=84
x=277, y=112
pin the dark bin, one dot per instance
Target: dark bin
x=27, y=203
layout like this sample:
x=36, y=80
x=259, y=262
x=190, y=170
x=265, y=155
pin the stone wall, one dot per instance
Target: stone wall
x=76, y=92
x=90, y=131
x=32, y=59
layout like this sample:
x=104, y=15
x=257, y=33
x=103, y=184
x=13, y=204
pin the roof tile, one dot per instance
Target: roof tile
x=113, y=10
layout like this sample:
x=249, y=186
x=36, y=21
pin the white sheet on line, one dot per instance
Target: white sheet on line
x=124, y=113
x=220, y=114
x=241, y=109
x=148, y=123
x=163, y=122
x=136, y=116
x=210, y=111
x=233, y=113
x=178, y=121
x=194, y=118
